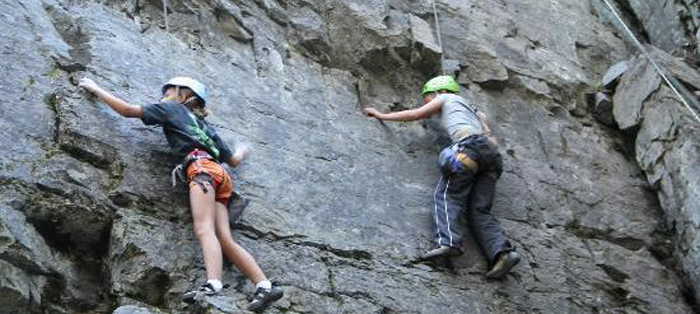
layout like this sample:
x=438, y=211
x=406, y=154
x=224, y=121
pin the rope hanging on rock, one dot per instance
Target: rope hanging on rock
x=165, y=14
x=439, y=37
x=651, y=60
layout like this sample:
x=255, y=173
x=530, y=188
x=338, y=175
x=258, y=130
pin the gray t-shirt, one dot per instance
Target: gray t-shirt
x=457, y=115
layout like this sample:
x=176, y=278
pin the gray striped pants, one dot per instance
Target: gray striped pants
x=463, y=191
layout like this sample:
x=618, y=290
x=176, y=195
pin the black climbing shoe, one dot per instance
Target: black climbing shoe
x=195, y=295
x=504, y=263
x=263, y=298
x=441, y=251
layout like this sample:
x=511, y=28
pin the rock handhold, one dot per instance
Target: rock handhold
x=602, y=108
x=614, y=73
x=634, y=88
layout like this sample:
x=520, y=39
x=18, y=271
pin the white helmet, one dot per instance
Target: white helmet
x=197, y=87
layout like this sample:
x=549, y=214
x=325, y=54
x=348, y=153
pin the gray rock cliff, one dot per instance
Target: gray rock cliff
x=339, y=203
x=666, y=148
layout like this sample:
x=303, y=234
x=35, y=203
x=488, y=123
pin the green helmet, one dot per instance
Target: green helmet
x=439, y=83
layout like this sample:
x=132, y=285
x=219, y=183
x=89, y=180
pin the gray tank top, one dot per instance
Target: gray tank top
x=457, y=114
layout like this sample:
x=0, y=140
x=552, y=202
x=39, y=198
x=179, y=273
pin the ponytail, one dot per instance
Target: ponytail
x=196, y=105
x=192, y=102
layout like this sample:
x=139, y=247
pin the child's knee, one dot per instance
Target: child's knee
x=202, y=231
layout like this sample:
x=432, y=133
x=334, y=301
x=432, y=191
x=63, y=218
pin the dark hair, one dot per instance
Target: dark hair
x=192, y=102
x=196, y=105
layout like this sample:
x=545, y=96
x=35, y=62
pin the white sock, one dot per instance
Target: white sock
x=265, y=284
x=216, y=283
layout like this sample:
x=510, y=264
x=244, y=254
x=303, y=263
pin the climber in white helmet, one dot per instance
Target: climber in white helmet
x=470, y=166
x=181, y=113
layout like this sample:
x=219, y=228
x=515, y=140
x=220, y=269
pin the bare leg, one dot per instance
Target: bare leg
x=204, y=217
x=234, y=252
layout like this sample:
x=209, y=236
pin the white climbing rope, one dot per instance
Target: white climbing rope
x=165, y=14
x=439, y=37
x=651, y=60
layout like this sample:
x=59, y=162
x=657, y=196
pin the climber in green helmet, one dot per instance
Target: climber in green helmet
x=470, y=168
x=181, y=112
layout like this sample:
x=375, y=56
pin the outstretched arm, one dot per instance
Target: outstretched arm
x=422, y=112
x=120, y=106
x=487, y=129
x=482, y=119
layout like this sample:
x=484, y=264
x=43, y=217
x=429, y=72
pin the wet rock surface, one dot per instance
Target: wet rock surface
x=339, y=204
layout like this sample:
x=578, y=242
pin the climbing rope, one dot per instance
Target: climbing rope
x=651, y=60
x=439, y=38
x=165, y=14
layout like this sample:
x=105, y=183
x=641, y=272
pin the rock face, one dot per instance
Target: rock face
x=667, y=147
x=666, y=24
x=339, y=204
x=662, y=22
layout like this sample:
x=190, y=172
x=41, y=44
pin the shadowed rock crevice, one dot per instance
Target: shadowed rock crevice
x=72, y=33
x=632, y=20
x=340, y=204
x=63, y=268
x=68, y=218
x=76, y=144
x=657, y=125
x=614, y=273
x=354, y=254
x=297, y=239
x=592, y=233
x=153, y=287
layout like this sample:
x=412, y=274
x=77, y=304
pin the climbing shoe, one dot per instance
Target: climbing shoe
x=195, y=295
x=263, y=298
x=441, y=251
x=504, y=262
